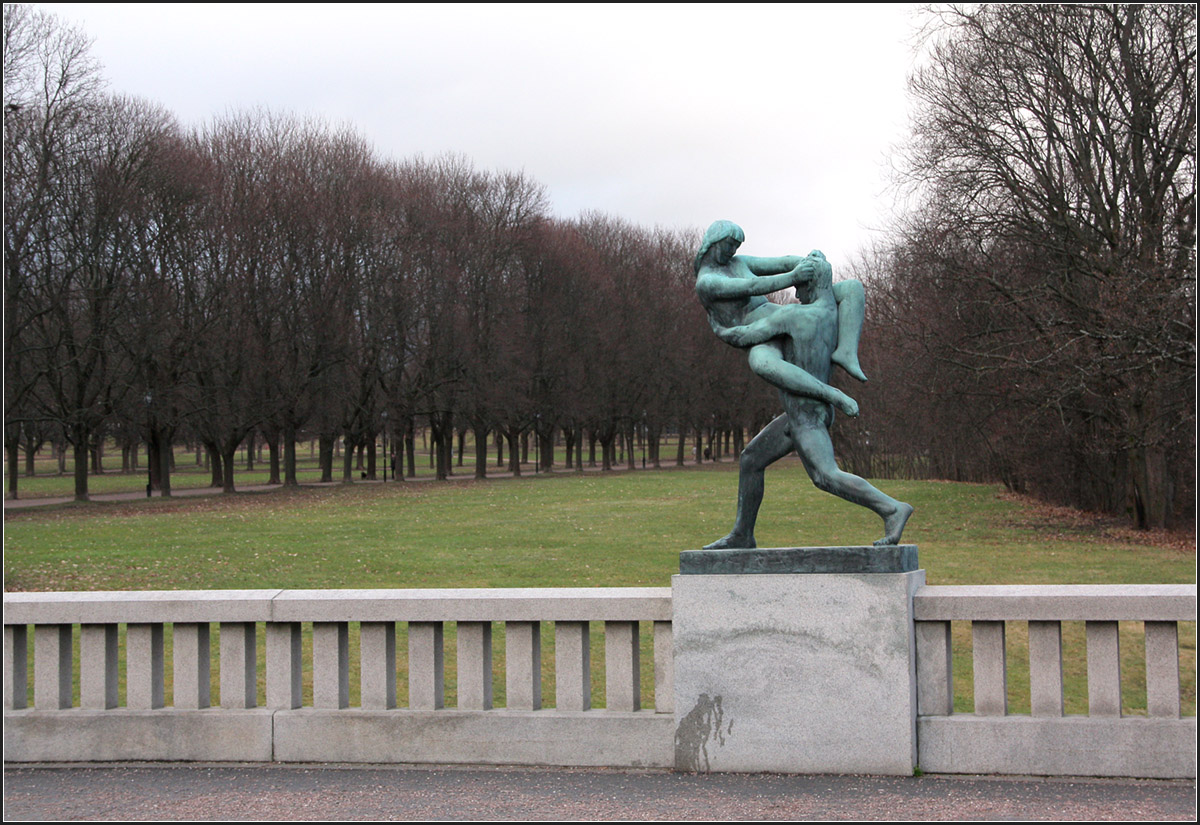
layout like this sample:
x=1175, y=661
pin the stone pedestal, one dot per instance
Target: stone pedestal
x=789, y=672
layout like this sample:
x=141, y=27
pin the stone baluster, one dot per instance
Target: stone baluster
x=331, y=664
x=144, y=666
x=622, y=672
x=991, y=668
x=377, y=650
x=284, y=660
x=426, y=666
x=1045, y=668
x=191, y=665
x=16, y=666
x=52, y=666
x=935, y=670
x=664, y=668
x=523, y=665
x=572, y=666
x=98, y=666
x=1103, y=668
x=239, y=665
x=475, y=665
x=1162, y=669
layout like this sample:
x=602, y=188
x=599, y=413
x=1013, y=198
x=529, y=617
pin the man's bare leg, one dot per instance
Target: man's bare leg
x=770, y=445
x=851, y=306
x=812, y=442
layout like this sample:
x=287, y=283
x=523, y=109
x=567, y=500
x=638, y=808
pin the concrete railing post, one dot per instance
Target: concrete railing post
x=16, y=667
x=377, y=650
x=523, y=665
x=191, y=666
x=664, y=668
x=426, y=666
x=284, y=665
x=991, y=668
x=239, y=665
x=474, y=665
x=98, y=666
x=1103, y=668
x=622, y=670
x=935, y=669
x=144, y=666
x=572, y=666
x=331, y=664
x=1162, y=669
x=52, y=666
x=1045, y=668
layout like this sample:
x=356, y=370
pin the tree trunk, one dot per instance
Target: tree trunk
x=289, y=455
x=214, y=463
x=410, y=448
x=227, y=461
x=250, y=452
x=514, y=450
x=11, y=446
x=81, y=463
x=326, y=442
x=348, y=460
x=480, y=431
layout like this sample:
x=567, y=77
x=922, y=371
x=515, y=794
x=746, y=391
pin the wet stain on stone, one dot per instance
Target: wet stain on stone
x=704, y=724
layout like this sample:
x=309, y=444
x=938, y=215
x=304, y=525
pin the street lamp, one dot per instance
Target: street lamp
x=149, y=399
x=386, y=457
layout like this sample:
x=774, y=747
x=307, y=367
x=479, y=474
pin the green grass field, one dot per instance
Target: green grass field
x=619, y=529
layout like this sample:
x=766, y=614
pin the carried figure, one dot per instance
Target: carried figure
x=793, y=347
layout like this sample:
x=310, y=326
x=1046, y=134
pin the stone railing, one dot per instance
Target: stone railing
x=280, y=719
x=725, y=651
x=1046, y=741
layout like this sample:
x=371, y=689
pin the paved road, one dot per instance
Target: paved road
x=278, y=792
x=186, y=492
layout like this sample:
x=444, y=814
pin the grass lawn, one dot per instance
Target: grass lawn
x=568, y=530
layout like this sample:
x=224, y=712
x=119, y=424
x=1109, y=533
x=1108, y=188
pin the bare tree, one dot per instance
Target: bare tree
x=1054, y=147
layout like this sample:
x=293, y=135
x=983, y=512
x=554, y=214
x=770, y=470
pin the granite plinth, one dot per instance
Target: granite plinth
x=900, y=558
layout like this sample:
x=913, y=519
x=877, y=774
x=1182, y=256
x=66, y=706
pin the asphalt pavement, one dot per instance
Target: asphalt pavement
x=341, y=792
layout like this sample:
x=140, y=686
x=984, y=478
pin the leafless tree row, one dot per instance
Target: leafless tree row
x=268, y=276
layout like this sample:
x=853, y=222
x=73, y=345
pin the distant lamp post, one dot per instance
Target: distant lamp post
x=149, y=399
x=643, y=439
x=386, y=456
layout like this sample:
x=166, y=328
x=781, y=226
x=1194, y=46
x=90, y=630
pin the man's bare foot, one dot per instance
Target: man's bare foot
x=893, y=525
x=732, y=542
x=849, y=362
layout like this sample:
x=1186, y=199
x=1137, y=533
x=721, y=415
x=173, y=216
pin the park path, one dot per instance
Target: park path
x=187, y=492
x=374, y=793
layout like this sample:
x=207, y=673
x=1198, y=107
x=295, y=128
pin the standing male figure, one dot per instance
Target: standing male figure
x=809, y=337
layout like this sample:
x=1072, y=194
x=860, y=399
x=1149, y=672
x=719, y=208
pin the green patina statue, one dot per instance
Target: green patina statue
x=793, y=347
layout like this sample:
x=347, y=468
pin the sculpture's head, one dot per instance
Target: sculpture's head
x=822, y=282
x=719, y=232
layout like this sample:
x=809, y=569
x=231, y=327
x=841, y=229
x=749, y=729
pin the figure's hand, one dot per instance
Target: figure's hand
x=804, y=273
x=820, y=264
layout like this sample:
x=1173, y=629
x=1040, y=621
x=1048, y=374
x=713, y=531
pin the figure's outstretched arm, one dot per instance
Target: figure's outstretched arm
x=851, y=308
x=718, y=288
x=770, y=266
x=749, y=335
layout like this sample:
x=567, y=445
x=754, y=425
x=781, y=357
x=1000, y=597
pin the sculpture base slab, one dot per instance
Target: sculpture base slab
x=795, y=673
x=900, y=558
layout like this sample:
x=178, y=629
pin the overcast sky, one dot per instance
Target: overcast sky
x=780, y=117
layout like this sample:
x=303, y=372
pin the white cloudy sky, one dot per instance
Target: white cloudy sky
x=780, y=116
